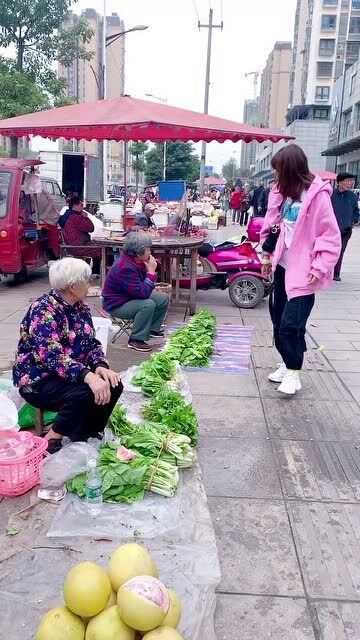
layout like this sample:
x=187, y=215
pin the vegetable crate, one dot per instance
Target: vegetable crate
x=20, y=474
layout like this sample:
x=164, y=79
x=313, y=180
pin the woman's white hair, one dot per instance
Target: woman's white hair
x=68, y=271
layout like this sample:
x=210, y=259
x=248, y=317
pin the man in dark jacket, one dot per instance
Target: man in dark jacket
x=263, y=200
x=345, y=205
x=255, y=197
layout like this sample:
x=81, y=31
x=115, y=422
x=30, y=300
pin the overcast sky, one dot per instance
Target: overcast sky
x=169, y=58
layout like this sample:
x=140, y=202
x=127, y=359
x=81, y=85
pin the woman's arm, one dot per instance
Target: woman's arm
x=136, y=287
x=272, y=215
x=327, y=245
x=83, y=223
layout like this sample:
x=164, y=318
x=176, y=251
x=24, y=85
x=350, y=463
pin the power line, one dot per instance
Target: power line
x=196, y=11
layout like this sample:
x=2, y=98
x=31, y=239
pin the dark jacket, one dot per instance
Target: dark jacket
x=255, y=198
x=263, y=202
x=142, y=220
x=345, y=205
x=127, y=280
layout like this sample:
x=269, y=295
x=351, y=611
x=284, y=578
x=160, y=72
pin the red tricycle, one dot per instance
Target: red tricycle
x=29, y=235
x=234, y=264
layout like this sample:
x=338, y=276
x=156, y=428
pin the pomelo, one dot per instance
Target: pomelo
x=108, y=625
x=173, y=615
x=143, y=602
x=163, y=633
x=60, y=624
x=128, y=561
x=86, y=589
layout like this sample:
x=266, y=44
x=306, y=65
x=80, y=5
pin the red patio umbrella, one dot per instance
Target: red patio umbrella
x=127, y=118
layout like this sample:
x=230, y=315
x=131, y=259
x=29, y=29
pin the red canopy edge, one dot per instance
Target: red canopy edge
x=127, y=118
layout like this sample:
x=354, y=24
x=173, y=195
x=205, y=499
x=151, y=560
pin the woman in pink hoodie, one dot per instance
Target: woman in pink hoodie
x=304, y=258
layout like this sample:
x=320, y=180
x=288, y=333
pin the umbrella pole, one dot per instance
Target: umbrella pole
x=125, y=177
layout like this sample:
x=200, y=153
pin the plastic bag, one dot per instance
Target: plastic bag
x=179, y=383
x=137, y=208
x=10, y=391
x=32, y=183
x=68, y=462
x=8, y=414
x=27, y=417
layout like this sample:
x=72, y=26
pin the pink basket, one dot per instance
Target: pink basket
x=20, y=474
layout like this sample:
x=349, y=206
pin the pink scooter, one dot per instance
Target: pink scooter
x=234, y=264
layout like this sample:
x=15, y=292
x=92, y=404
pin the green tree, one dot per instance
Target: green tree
x=231, y=170
x=40, y=33
x=182, y=163
x=137, y=150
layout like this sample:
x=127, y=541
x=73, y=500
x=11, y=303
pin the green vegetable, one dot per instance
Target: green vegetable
x=192, y=345
x=169, y=410
x=152, y=373
x=117, y=419
x=128, y=481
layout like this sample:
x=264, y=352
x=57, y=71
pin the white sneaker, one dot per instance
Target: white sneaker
x=290, y=383
x=278, y=375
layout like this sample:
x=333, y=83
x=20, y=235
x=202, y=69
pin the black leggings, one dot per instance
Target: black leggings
x=78, y=416
x=289, y=318
x=244, y=215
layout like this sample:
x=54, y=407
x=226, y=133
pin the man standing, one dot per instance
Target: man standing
x=255, y=197
x=264, y=199
x=144, y=219
x=345, y=205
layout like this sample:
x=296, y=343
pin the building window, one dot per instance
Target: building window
x=326, y=47
x=324, y=69
x=356, y=4
x=352, y=49
x=357, y=117
x=354, y=25
x=321, y=114
x=330, y=3
x=352, y=83
x=322, y=93
x=346, y=123
x=354, y=167
x=328, y=22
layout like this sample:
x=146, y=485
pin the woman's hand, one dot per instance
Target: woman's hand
x=313, y=279
x=151, y=265
x=266, y=269
x=99, y=387
x=108, y=375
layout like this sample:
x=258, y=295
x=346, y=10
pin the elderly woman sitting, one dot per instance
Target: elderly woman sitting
x=129, y=291
x=60, y=365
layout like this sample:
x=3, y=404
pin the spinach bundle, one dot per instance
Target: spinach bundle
x=169, y=410
x=192, y=345
x=152, y=373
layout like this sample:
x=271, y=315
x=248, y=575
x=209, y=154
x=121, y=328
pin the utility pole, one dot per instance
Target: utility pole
x=210, y=27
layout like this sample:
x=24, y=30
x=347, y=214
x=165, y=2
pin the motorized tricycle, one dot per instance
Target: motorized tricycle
x=29, y=235
x=235, y=265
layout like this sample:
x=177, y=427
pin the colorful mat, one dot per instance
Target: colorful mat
x=232, y=349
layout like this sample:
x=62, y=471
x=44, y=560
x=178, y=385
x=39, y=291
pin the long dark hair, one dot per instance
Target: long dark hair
x=292, y=171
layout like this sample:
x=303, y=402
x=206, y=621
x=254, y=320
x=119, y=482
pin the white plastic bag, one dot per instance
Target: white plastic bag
x=10, y=391
x=67, y=463
x=8, y=414
x=137, y=208
x=32, y=183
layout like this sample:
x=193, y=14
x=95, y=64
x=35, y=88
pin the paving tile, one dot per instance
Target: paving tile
x=313, y=419
x=327, y=537
x=350, y=379
x=316, y=385
x=242, y=385
x=338, y=620
x=345, y=354
x=235, y=418
x=355, y=392
x=261, y=617
x=257, y=555
x=320, y=470
x=347, y=366
x=265, y=358
x=238, y=468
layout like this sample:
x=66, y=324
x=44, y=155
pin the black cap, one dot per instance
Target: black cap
x=345, y=176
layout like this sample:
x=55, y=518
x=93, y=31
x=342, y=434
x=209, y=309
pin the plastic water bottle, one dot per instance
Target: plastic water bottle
x=94, y=494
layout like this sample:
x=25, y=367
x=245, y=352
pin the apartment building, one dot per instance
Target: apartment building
x=248, y=151
x=82, y=83
x=275, y=86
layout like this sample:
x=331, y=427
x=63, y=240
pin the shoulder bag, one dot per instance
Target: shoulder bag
x=271, y=239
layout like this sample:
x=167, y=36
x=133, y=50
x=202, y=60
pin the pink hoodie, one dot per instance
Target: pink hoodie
x=316, y=243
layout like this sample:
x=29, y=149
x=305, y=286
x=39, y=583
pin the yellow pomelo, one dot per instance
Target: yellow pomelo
x=86, y=589
x=143, y=602
x=163, y=633
x=173, y=615
x=108, y=625
x=128, y=561
x=60, y=624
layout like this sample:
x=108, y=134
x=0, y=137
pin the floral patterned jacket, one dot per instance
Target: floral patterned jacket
x=56, y=338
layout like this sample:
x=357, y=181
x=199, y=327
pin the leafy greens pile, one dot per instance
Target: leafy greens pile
x=192, y=345
x=169, y=410
x=152, y=373
x=128, y=481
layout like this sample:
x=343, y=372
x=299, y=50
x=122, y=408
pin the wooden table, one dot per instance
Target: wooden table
x=168, y=249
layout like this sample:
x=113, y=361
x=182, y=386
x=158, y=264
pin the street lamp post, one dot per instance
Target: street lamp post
x=164, y=100
x=106, y=42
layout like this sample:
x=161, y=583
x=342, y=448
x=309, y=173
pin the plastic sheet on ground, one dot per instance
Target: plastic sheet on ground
x=179, y=384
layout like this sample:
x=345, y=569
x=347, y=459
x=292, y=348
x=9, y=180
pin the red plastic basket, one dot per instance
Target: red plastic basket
x=19, y=475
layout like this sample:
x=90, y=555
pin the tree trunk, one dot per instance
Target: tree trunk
x=137, y=180
x=13, y=147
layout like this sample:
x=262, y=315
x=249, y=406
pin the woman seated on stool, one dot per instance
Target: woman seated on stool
x=59, y=363
x=129, y=291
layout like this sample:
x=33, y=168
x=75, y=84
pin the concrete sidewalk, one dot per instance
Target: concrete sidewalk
x=282, y=475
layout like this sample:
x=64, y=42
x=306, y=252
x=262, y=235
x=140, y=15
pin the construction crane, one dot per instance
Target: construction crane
x=256, y=80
